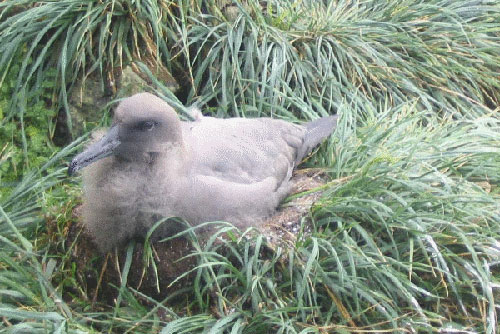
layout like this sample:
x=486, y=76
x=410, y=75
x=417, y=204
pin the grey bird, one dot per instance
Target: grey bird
x=151, y=165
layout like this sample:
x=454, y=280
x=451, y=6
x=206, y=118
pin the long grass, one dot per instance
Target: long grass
x=69, y=40
x=322, y=52
x=29, y=300
x=406, y=234
x=406, y=239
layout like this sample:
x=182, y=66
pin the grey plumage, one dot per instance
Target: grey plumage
x=151, y=165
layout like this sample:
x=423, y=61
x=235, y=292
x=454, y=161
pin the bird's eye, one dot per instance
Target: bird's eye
x=147, y=125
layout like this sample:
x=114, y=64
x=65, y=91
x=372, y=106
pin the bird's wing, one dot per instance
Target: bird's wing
x=244, y=150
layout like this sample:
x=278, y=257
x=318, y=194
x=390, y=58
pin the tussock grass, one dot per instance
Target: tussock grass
x=406, y=235
x=322, y=52
x=418, y=205
x=69, y=40
x=406, y=239
x=30, y=302
x=319, y=52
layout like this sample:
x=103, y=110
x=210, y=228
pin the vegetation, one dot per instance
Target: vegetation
x=406, y=234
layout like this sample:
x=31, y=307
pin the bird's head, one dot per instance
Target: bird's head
x=143, y=125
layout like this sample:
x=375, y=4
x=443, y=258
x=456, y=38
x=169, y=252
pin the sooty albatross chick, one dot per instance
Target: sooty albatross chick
x=151, y=165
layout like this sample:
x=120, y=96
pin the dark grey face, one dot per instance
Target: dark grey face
x=143, y=124
x=138, y=137
x=124, y=140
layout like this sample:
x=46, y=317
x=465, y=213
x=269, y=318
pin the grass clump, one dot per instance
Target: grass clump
x=406, y=234
x=322, y=52
x=318, y=52
x=30, y=302
x=407, y=218
x=69, y=40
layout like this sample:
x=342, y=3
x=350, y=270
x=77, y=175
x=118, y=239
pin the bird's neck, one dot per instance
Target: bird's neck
x=172, y=162
x=169, y=160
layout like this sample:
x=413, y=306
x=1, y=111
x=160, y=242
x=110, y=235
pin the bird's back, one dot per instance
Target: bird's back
x=250, y=150
x=243, y=150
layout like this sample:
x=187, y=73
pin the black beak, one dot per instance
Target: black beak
x=101, y=149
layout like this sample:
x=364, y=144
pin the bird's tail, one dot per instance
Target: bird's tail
x=317, y=131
